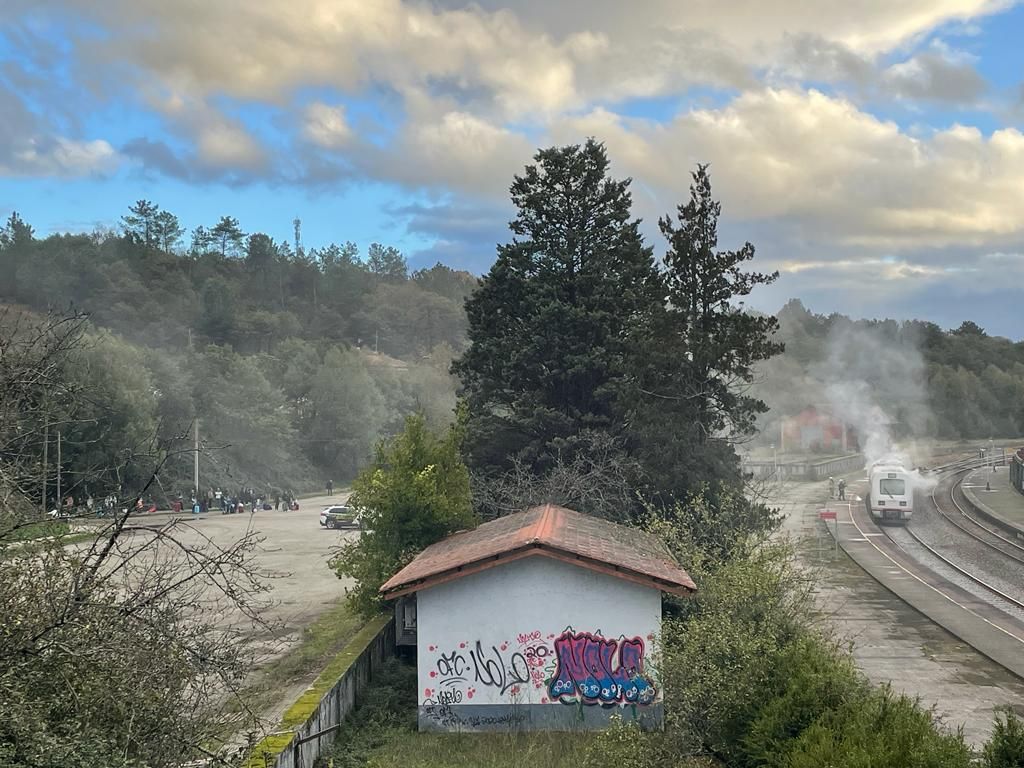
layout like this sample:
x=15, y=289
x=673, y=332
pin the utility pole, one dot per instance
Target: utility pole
x=59, y=498
x=195, y=465
x=46, y=445
x=376, y=338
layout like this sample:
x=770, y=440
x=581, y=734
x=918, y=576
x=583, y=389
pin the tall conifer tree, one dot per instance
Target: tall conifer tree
x=549, y=324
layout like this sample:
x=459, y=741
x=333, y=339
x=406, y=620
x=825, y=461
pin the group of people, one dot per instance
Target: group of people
x=235, y=503
x=832, y=488
x=70, y=507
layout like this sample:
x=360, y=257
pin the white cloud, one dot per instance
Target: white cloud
x=480, y=86
x=935, y=75
x=224, y=144
x=450, y=149
x=59, y=156
x=523, y=58
x=840, y=175
x=326, y=126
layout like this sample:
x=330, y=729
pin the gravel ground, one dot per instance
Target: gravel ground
x=988, y=564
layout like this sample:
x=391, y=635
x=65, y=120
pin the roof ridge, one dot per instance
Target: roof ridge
x=546, y=524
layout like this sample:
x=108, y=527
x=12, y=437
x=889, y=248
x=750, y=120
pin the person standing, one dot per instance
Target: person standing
x=831, y=488
x=330, y=487
x=842, y=489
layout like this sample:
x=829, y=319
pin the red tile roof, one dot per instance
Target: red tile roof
x=549, y=531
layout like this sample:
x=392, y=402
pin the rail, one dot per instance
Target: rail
x=1016, y=552
x=962, y=467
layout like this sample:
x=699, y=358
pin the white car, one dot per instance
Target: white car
x=339, y=516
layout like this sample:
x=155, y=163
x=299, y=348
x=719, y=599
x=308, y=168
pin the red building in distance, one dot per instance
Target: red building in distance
x=816, y=430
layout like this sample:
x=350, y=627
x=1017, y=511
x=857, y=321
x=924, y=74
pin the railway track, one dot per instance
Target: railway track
x=984, y=609
x=960, y=518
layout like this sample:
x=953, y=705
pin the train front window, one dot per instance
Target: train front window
x=891, y=487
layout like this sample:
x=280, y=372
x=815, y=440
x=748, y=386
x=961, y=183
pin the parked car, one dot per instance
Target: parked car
x=339, y=516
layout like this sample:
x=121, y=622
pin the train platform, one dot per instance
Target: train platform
x=975, y=622
x=992, y=493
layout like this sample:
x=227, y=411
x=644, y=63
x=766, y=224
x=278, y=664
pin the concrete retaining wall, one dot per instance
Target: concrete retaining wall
x=325, y=704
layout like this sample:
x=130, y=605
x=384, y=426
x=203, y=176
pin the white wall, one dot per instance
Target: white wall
x=496, y=637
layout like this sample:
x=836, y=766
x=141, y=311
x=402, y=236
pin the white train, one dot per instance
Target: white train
x=890, y=494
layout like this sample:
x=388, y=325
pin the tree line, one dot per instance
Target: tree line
x=295, y=362
x=959, y=383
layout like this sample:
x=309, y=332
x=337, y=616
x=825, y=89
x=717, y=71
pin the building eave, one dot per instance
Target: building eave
x=542, y=550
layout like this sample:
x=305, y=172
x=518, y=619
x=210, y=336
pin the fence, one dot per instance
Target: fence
x=308, y=728
x=806, y=469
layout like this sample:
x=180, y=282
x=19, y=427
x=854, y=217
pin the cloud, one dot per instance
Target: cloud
x=449, y=149
x=226, y=144
x=28, y=147
x=525, y=58
x=935, y=76
x=326, y=126
x=866, y=288
x=833, y=173
x=938, y=74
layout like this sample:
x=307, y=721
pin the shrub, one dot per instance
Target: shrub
x=880, y=729
x=815, y=678
x=721, y=665
x=623, y=743
x=1005, y=748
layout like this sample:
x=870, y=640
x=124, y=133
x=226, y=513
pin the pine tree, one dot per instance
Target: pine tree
x=694, y=359
x=142, y=223
x=16, y=241
x=549, y=324
x=168, y=231
x=388, y=263
x=228, y=236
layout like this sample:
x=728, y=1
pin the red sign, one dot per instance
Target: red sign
x=827, y=514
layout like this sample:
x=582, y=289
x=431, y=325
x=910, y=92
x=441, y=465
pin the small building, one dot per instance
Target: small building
x=816, y=430
x=546, y=619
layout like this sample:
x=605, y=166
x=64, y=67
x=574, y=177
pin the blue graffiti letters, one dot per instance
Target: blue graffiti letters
x=594, y=670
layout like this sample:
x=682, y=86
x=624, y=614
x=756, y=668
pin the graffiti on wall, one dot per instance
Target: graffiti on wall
x=465, y=667
x=594, y=670
x=574, y=667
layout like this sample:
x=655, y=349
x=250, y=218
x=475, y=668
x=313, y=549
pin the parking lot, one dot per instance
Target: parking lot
x=295, y=549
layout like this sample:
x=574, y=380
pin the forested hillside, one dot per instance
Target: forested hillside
x=295, y=361
x=960, y=383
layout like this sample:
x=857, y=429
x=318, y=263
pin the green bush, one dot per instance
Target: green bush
x=721, y=662
x=880, y=729
x=415, y=493
x=1005, y=748
x=816, y=678
x=623, y=743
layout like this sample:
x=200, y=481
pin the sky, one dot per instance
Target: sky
x=869, y=149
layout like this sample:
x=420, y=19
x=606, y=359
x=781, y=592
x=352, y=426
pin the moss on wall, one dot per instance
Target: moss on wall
x=267, y=750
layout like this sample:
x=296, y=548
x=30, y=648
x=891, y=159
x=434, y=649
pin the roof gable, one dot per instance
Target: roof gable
x=548, y=531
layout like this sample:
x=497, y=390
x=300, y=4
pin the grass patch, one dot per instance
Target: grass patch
x=386, y=714
x=481, y=750
x=381, y=733
x=41, y=530
x=321, y=640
